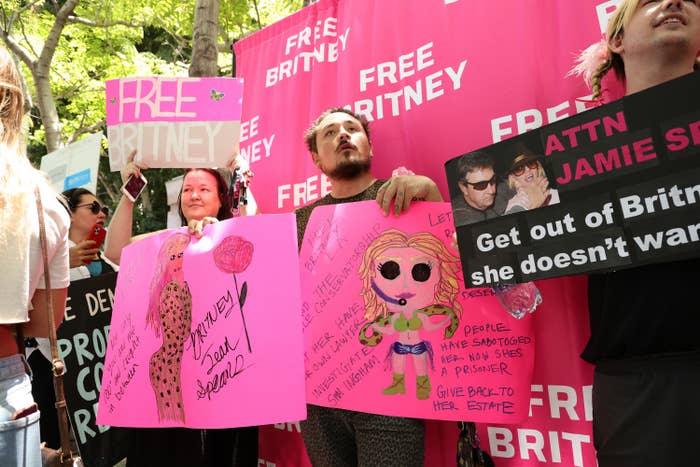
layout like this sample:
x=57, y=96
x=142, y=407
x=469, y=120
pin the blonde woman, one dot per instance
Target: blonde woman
x=23, y=296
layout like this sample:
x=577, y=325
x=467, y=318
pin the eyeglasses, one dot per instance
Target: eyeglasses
x=532, y=165
x=95, y=207
x=483, y=184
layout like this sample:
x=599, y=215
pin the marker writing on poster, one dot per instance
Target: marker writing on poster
x=231, y=368
x=221, y=309
x=483, y=349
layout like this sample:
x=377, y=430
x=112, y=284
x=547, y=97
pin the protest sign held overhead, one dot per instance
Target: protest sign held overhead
x=173, y=122
x=618, y=187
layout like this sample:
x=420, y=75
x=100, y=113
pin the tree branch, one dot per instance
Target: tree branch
x=55, y=33
x=78, y=20
x=88, y=129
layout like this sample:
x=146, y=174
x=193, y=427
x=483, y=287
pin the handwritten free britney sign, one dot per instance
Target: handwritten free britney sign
x=173, y=122
x=623, y=191
x=390, y=329
x=207, y=333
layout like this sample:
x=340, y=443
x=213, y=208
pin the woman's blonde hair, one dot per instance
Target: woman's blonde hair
x=616, y=26
x=540, y=173
x=447, y=289
x=17, y=176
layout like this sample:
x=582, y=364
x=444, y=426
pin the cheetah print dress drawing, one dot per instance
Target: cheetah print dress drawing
x=175, y=313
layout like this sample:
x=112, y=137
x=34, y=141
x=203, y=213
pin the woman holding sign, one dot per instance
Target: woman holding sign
x=203, y=199
x=23, y=294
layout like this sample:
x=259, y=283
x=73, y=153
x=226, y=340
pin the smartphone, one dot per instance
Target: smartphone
x=133, y=187
x=97, y=234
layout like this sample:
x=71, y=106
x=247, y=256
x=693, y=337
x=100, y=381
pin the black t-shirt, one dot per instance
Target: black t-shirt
x=643, y=311
x=303, y=214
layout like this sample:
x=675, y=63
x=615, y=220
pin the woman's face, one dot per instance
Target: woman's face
x=408, y=274
x=526, y=174
x=82, y=218
x=200, y=195
x=174, y=257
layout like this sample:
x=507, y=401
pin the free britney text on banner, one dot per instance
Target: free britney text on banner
x=623, y=191
x=173, y=122
x=206, y=333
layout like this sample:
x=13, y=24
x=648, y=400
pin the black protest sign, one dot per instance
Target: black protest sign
x=82, y=343
x=614, y=187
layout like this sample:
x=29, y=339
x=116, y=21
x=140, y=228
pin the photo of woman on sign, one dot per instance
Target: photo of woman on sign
x=527, y=178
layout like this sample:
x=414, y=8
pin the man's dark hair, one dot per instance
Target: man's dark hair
x=310, y=133
x=472, y=161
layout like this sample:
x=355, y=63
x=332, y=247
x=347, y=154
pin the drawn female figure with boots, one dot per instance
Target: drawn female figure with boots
x=406, y=280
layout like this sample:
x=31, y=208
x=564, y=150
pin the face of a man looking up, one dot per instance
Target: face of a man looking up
x=343, y=149
x=479, y=188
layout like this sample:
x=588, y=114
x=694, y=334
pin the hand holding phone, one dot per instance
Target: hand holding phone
x=134, y=186
x=97, y=234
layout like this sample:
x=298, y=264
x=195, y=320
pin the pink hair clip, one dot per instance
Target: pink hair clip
x=590, y=60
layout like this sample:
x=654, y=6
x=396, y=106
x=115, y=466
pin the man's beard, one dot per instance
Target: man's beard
x=350, y=169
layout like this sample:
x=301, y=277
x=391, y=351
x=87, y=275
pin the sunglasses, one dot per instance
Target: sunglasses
x=482, y=185
x=532, y=165
x=95, y=207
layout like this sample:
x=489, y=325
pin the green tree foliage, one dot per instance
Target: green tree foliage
x=107, y=39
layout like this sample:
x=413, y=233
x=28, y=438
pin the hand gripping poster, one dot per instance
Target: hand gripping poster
x=390, y=329
x=206, y=332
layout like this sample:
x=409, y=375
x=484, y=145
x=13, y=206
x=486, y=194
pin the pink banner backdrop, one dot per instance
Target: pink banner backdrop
x=205, y=333
x=436, y=78
x=476, y=360
x=377, y=57
x=173, y=122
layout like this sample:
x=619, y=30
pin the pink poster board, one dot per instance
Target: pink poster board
x=173, y=122
x=197, y=358
x=390, y=329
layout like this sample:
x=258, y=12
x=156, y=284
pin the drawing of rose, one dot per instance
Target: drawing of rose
x=233, y=256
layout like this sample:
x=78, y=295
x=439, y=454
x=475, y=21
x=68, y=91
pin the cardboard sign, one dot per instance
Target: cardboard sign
x=390, y=329
x=173, y=122
x=206, y=333
x=74, y=166
x=82, y=344
x=623, y=191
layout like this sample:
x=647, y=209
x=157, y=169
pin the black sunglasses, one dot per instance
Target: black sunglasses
x=95, y=207
x=483, y=184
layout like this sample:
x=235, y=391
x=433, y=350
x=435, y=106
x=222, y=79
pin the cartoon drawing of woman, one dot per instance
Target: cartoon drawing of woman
x=169, y=313
x=406, y=280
